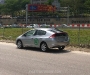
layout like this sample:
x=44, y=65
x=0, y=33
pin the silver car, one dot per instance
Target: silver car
x=43, y=38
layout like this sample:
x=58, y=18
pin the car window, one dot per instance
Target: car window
x=40, y=32
x=30, y=33
x=55, y=30
x=31, y=25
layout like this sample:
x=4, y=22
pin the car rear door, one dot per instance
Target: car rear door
x=37, y=38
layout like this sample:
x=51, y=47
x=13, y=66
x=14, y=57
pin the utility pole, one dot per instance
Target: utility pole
x=32, y=11
x=68, y=15
x=40, y=1
x=26, y=13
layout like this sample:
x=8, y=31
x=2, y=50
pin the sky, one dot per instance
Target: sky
x=1, y=1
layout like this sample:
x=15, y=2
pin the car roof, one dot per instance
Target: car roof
x=48, y=29
x=44, y=28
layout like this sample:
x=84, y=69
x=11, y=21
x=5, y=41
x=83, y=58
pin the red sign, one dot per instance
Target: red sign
x=41, y=8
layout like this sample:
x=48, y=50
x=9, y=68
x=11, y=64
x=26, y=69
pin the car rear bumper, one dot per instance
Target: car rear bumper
x=57, y=44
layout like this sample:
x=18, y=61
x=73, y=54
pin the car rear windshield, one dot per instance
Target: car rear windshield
x=59, y=32
x=55, y=30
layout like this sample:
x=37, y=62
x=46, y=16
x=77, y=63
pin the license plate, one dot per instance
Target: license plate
x=61, y=38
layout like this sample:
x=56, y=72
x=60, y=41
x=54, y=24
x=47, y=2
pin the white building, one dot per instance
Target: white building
x=38, y=1
x=56, y=4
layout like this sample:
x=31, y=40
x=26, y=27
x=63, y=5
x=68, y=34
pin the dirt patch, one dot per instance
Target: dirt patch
x=7, y=41
x=72, y=48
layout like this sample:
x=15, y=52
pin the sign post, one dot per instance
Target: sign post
x=26, y=13
x=67, y=15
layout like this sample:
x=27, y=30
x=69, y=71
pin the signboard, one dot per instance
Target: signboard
x=33, y=8
x=41, y=8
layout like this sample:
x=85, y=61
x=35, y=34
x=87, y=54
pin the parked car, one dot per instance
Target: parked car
x=0, y=25
x=43, y=38
x=45, y=26
x=65, y=25
x=15, y=26
x=33, y=26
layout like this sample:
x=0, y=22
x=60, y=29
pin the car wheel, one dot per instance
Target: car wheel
x=61, y=47
x=19, y=44
x=43, y=47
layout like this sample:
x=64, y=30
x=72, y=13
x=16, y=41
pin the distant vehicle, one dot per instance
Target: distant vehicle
x=15, y=26
x=64, y=25
x=0, y=24
x=33, y=26
x=43, y=38
x=45, y=26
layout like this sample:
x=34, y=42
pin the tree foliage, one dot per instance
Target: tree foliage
x=50, y=2
x=87, y=4
x=13, y=6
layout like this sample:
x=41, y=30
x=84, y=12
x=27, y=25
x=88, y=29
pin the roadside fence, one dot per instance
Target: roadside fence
x=79, y=33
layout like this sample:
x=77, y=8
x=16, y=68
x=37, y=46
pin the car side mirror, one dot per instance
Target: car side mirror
x=24, y=35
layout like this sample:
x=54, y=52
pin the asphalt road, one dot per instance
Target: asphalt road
x=32, y=61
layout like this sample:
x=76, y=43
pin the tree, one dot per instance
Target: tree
x=76, y=6
x=13, y=6
x=1, y=8
x=87, y=4
x=49, y=2
x=23, y=3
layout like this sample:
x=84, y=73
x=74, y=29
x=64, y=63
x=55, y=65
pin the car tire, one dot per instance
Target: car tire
x=61, y=47
x=19, y=44
x=44, y=47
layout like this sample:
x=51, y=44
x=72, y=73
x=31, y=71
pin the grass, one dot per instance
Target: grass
x=11, y=33
x=77, y=37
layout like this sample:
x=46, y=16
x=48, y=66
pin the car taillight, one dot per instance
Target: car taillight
x=58, y=34
x=52, y=36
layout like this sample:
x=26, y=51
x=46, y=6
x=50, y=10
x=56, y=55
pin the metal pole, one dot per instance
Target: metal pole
x=79, y=35
x=31, y=1
x=26, y=13
x=3, y=31
x=68, y=15
x=40, y=1
x=32, y=13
